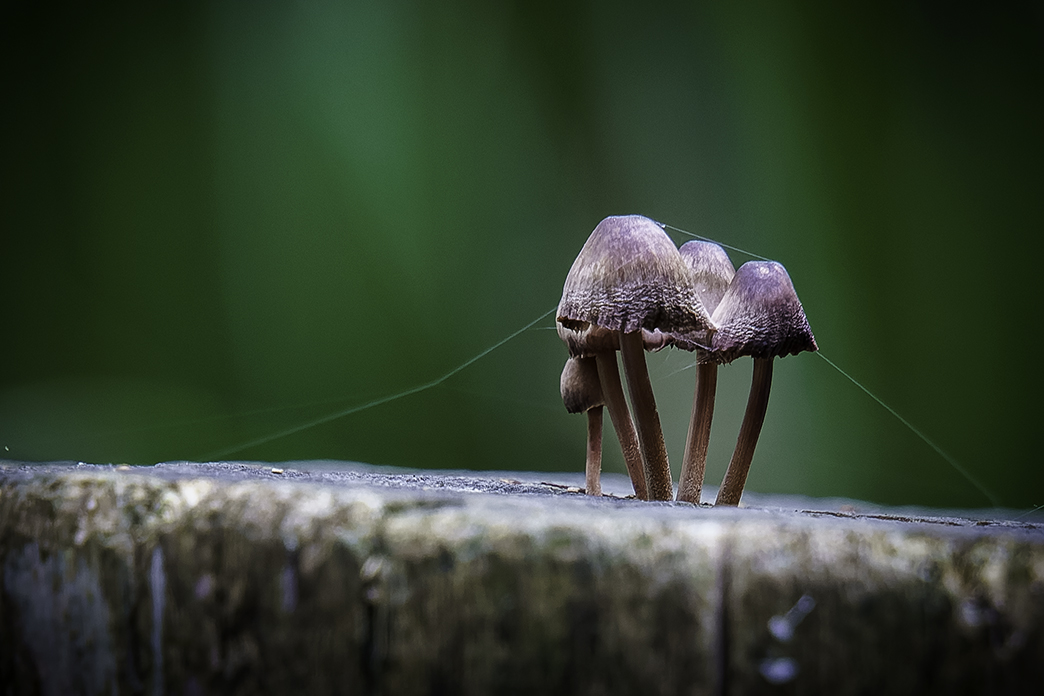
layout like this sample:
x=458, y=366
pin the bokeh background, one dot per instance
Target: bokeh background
x=223, y=220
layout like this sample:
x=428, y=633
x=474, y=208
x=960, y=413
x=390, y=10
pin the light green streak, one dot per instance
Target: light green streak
x=939, y=450
x=708, y=239
x=1028, y=512
x=376, y=402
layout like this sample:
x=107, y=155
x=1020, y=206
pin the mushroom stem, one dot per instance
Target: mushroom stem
x=594, y=451
x=736, y=475
x=612, y=392
x=650, y=436
x=695, y=461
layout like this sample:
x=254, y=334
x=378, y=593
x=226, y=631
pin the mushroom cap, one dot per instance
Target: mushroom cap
x=581, y=389
x=760, y=316
x=630, y=276
x=712, y=270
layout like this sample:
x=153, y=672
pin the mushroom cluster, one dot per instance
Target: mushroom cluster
x=631, y=290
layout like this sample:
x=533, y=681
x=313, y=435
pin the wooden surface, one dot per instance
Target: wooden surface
x=311, y=578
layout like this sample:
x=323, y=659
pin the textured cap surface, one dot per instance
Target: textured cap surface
x=630, y=276
x=760, y=316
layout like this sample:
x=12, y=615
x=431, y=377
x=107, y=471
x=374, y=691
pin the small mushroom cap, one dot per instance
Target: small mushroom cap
x=630, y=276
x=712, y=270
x=581, y=390
x=760, y=316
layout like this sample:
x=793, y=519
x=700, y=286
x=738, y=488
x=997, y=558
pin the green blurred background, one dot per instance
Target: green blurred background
x=223, y=220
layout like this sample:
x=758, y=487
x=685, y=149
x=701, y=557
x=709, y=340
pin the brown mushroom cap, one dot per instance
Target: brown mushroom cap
x=630, y=276
x=581, y=390
x=760, y=316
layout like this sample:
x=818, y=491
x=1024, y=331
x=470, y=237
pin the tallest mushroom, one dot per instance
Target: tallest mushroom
x=629, y=276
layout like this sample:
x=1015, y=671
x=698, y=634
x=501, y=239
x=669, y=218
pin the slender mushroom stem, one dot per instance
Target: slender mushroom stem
x=650, y=436
x=612, y=392
x=736, y=475
x=594, y=451
x=695, y=461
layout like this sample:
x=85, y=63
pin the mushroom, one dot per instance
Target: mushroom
x=712, y=271
x=629, y=276
x=582, y=393
x=760, y=316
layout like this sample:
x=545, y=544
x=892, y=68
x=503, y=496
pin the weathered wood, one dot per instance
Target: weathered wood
x=233, y=579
